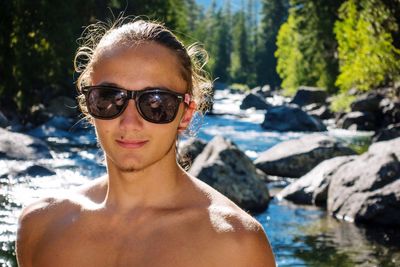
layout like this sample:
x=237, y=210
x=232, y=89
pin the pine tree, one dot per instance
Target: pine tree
x=312, y=50
x=274, y=14
x=224, y=46
x=241, y=64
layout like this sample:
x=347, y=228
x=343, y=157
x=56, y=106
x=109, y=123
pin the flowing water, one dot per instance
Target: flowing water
x=299, y=235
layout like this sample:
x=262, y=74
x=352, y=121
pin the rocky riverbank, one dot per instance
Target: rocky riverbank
x=309, y=110
x=300, y=234
x=357, y=188
x=324, y=167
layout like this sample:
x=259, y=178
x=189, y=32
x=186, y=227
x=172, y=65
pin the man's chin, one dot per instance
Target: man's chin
x=130, y=168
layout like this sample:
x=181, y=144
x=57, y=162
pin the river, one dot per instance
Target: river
x=299, y=235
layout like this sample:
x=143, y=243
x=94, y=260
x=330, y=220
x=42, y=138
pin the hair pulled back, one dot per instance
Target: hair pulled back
x=130, y=32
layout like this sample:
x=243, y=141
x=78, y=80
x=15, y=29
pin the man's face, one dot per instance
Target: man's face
x=130, y=142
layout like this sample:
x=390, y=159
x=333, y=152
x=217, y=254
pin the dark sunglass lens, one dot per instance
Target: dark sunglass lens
x=158, y=107
x=105, y=102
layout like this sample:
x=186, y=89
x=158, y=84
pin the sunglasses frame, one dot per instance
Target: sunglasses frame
x=135, y=95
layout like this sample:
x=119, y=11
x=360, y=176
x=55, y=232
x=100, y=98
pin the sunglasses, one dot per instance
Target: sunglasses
x=156, y=105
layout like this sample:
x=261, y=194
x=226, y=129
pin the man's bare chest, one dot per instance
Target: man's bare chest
x=149, y=245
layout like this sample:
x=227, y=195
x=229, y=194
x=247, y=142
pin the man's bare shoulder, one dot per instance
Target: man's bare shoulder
x=35, y=221
x=240, y=239
x=86, y=195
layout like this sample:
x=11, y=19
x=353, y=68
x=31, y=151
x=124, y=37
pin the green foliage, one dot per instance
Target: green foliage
x=289, y=57
x=306, y=45
x=40, y=49
x=360, y=148
x=368, y=57
x=38, y=42
x=341, y=102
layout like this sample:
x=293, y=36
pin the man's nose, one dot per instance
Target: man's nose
x=131, y=117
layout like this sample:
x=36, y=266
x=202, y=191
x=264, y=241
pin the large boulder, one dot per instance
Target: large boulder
x=22, y=147
x=295, y=158
x=307, y=95
x=390, y=146
x=357, y=120
x=256, y=101
x=223, y=166
x=367, y=189
x=312, y=188
x=291, y=118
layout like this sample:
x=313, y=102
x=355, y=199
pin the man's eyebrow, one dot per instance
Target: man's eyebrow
x=109, y=84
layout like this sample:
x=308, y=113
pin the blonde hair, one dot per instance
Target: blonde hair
x=134, y=31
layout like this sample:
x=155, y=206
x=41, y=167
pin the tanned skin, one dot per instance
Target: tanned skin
x=146, y=211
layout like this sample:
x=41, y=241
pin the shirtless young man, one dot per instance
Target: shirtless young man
x=147, y=211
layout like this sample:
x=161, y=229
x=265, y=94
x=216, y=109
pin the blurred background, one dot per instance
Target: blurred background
x=335, y=45
x=297, y=83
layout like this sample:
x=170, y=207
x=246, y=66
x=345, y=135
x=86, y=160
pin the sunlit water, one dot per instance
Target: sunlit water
x=300, y=235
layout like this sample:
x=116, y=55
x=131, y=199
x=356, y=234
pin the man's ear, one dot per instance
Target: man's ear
x=187, y=117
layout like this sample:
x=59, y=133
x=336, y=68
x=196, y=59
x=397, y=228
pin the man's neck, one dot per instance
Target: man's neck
x=155, y=186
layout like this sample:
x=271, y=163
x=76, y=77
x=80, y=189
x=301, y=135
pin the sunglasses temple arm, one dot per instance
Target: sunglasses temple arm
x=187, y=99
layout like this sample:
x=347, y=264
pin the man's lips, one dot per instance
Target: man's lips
x=131, y=143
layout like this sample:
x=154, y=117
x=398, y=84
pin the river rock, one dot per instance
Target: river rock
x=291, y=118
x=263, y=91
x=26, y=169
x=390, y=110
x=294, y=158
x=385, y=147
x=367, y=189
x=391, y=132
x=22, y=147
x=312, y=188
x=189, y=150
x=256, y=101
x=37, y=170
x=223, y=166
x=367, y=103
x=307, y=95
x=357, y=120
x=319, y=111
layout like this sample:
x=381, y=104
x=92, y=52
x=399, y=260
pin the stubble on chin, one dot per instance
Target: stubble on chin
x=129, y=168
